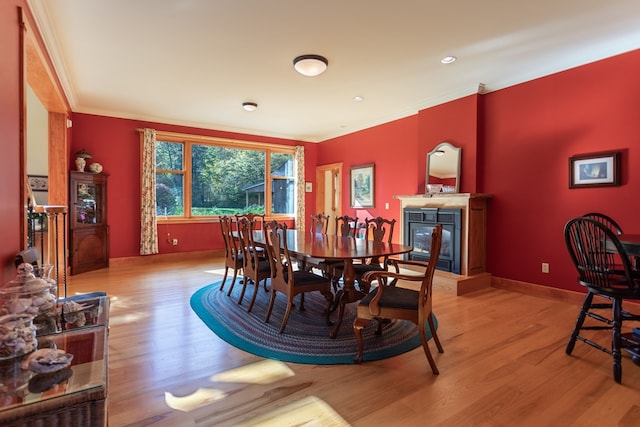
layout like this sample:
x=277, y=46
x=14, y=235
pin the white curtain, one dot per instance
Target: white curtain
x=300, y=188
x=148, y=223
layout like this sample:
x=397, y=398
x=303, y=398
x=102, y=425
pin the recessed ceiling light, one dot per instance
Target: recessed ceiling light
x=249, y=106
x=358, y=98
x=310, y=65
x=448, y=59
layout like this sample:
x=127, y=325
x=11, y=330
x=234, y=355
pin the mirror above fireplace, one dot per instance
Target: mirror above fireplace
x=443, y=167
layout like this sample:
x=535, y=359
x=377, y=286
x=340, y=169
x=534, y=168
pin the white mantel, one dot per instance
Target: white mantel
x=474, y=236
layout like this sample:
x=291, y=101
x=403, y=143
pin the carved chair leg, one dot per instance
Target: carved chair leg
x=253, y=298
x=358, y=325
x=301, y=302
x=224, y=278
x=342, y=302
x=235, y=276
x=434, y=333
x=617, y=324
x=270, y=309
x=579, y=322
x=233, y=282
x=285, y=319
x=244, y=288
x=380, y=322
x=328, y=295
x=427, y=352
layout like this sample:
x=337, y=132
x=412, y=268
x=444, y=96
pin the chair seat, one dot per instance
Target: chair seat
x=393, y=297
x=264, y=266
x=360, y=269
x=304, y=278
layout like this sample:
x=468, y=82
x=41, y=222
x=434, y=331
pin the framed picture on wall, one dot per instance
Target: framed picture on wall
x=39, y=182
x=362, y=179
x=594, y=170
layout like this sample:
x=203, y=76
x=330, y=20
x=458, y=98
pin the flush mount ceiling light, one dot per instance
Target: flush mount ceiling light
x=448, y=59
x=310, y=65
x=439, y=152
x=249, y=106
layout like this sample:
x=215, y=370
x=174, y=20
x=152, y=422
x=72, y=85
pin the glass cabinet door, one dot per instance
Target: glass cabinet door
x=87, y=211
x=87, y=198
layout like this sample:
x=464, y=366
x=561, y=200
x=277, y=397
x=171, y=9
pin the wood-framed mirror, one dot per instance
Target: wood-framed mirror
x=443, y=167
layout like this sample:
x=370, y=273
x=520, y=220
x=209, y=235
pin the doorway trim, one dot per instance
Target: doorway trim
x=329, y=197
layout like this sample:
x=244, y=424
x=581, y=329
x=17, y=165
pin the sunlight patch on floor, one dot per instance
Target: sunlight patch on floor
x=127, y=318
x=309, y=412
x=195, y=400
x=219, y=271
x=263, y=372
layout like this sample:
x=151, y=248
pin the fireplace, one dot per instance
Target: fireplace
x=418, y=225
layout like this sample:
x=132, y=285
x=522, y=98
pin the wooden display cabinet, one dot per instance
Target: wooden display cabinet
x=88, y=228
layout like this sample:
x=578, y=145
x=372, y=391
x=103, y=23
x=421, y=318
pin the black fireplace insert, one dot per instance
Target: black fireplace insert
x=418, y=226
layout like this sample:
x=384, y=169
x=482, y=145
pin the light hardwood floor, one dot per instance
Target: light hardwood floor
x=504, y=365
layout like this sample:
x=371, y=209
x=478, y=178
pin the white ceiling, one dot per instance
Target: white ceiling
x=193, y=62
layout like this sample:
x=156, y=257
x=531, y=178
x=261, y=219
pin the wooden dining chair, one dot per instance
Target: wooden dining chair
x=389, y=301
x=288, y=281
x=256, y=268
x=232, y=254
x=257, y=220
x=604, y=269
x=319, y=225
x=377, y=229
x=346, y=226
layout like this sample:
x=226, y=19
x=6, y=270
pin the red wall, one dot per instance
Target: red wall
x=391, y=147
x=115, y=144
x=530, y=131
x=516, y=143
x=457, y=123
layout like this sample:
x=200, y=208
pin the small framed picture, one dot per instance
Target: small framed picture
x=362, y=186
x=38, y=182
x=594, y=170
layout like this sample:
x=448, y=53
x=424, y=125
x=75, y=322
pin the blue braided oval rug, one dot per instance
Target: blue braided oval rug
x=306, y=337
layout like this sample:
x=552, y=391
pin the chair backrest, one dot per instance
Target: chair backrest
x=319, y=223
x=606, y=220
x=346, y=226
x=279, y=257
x=425, y=302
x=257, y=220
x=602, y=262
x=230, y=243
x=247, y=247
x=379, y=230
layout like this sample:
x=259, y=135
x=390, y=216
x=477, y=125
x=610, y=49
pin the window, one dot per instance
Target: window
x=203, y=178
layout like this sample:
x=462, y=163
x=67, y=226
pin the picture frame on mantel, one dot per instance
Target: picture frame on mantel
x=362, y=182
x=594, y=170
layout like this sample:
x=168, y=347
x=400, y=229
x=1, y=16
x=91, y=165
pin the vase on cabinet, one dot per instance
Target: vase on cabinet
x=80, y=164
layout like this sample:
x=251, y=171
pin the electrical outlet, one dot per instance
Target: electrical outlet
x=545, y=267
x=386, y=205
x=174, y=242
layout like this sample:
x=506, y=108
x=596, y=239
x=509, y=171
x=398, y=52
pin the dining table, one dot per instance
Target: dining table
x=630, y=243
x=329, y=247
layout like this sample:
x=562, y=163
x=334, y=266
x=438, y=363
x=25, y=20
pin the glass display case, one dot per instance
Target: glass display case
x=88, y=228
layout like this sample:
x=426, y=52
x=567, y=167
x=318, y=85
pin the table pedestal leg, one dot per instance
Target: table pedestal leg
x=346, y=295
